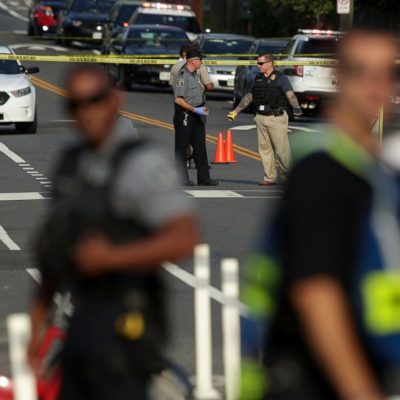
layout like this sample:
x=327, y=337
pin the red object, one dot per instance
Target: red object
x=44, y=16
x=220, y=153
x=230, y=152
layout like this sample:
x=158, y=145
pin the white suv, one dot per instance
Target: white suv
x=177, y=15
x=17, y=95
x=313, y=85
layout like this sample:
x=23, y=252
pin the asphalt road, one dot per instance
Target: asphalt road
x=230, y=219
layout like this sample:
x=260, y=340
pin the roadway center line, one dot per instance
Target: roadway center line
x=213, y=193
x=8, y=241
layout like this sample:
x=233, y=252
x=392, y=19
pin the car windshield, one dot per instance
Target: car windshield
x=318, y=47
x=92, y=6
x=56, y=6
x=188, y=24
x=223, y=46
x=271, y=49
x=156, y=38
x=9, y=67
x=125, y=13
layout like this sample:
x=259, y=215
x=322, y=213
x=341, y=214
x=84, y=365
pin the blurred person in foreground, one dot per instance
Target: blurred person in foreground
x=324, y=319
x=116, y=216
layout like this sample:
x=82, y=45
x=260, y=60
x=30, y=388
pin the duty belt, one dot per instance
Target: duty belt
x=278, y=112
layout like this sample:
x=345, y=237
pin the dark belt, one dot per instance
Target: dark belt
x=276, y=113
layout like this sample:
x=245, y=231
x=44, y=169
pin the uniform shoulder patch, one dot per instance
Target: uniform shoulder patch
x=180, y=82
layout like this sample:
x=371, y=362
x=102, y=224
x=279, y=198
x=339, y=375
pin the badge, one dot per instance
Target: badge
x=180, y=82
x=273, y=77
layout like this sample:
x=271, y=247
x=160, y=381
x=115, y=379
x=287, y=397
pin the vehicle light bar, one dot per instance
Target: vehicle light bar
x=164, y=6
x=320, y=32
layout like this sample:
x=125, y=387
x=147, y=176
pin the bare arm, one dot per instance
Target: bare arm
x=323, y=311
x=246, y=101
x=292, y=98
x=209, y=87
x=176, y=240
x=184, y=104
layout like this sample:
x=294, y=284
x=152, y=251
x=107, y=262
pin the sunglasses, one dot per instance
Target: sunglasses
x=75, y=104
x=263, y=62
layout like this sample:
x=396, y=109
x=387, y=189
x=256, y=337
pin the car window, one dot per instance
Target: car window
x=221, y=46
x=156, y=38
x=189, y=24
x=271, y=49
x=317, y=46
x=56, y=6
x=92, y=6
x=9, y=67
x=126, y=12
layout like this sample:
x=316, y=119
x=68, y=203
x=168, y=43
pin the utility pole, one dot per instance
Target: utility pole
x=346, y=20
x=198, y=8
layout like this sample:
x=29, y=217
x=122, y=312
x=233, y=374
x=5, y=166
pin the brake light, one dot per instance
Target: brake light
x=125, y=24
x=299, y=70
x=312, y=98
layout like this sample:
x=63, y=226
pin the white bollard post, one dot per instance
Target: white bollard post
x=204, y=389
x=19, y=333
x=231, y=327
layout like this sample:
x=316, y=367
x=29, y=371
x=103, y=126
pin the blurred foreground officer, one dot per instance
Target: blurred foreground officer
x=117, y=215
x=190, y=119
x=271, y=94
x=325, y=318
x=205, y=79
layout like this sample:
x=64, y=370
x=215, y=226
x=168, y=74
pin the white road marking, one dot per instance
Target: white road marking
x=20, y=31
x=302, y=128
x=45, y=183
x=32, y=172
x=43, y=47
x=208, y=194
x=10, y=154
x=27, y=168
x=21, y=196
x=12, y=12
x=42, y=179
x=243, y=128
x=178, y=273
x=35, y=274
x=8, y=241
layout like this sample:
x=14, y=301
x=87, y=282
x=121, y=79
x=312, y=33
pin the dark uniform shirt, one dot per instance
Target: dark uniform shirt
x=320, y=215
x=188, y=86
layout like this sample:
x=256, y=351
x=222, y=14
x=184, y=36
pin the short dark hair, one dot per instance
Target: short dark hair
x=268, y=56
x=183, y=50
x=90, y=69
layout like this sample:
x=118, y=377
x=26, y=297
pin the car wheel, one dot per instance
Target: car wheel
x=30, y=30
x=122, y=80
x=27, y=127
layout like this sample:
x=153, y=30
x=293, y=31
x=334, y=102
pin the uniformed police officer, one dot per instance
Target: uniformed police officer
x=190, y=119
x=272, y=94
x=117, y=214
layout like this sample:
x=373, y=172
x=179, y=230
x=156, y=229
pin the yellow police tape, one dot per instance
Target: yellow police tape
x=133, y=60
x=146, y=61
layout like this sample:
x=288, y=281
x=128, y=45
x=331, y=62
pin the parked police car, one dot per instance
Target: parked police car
x=17, y=95
x=312, y=84
x=181, y=16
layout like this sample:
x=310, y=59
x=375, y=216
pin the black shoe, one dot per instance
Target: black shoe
x=209, y=182
x=188, y=183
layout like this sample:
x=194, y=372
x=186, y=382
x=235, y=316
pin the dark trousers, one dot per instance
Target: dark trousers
x=190, y=129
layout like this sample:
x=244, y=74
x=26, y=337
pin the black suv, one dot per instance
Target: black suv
x=83, y=21
x=117, y=21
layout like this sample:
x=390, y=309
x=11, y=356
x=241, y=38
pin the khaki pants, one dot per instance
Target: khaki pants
x=273, y=145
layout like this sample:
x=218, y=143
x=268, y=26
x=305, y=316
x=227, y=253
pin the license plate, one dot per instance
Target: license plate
x=97, y=35
x=164, y=76
x=231, y=82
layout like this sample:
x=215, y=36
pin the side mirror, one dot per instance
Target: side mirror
x=32, y=70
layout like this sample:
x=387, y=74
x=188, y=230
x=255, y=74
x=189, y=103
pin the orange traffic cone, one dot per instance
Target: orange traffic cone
x=230, y=152
x=220, y=152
